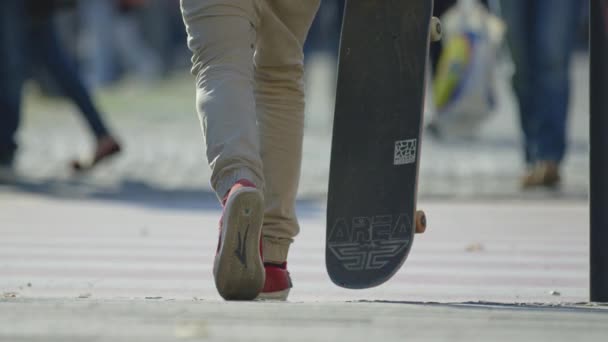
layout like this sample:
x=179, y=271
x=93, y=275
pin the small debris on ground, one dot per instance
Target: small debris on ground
x=143, y=232
x=154, y=297
x=475, y=247
x=555, y=293
x=84, y=296
x=191, y=330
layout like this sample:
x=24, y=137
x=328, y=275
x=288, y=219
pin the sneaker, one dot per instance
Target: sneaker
x=238, y=268
x=278, y=282
x=542, y=174
x=106, y=147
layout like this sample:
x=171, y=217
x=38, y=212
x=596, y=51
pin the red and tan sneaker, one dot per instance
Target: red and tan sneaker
x=278, y=282
x=238, y=268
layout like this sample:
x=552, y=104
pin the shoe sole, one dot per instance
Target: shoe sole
x=238, y=268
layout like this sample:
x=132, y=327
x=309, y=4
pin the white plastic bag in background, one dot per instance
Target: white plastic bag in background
x=463, y=86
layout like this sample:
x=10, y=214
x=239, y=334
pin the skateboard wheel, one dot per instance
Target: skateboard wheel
x=436, y=30
x=420, y=222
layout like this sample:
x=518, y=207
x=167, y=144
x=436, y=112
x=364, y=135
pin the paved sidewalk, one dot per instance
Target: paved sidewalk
x=508, y=251
x=112, y=320
x=81, y=266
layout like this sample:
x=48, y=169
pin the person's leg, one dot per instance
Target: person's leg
x=97, y=39
x=46, y=46
x=280, y=109
x=48, y=49
x=221, y=36
x=518, y=17
x=133, y=51
x=554, y=34
x=12, y=71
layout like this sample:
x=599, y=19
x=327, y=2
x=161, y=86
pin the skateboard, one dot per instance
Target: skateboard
x=375, y=154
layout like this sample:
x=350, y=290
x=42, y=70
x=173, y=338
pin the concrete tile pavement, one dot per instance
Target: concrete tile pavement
x=79, y=268
x=116, y=320
x=508, y=251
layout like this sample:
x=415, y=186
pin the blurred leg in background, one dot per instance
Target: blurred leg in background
x=133, y=52
x=97, y=39
x=321, y=58
x=44, y=45
x=541, y=36
x=12, y=70
x=324, y=36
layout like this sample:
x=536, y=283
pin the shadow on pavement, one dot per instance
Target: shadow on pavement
x=496, y=144
x=576, y=307
x=133, y=192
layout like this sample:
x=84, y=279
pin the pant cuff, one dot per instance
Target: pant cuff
x=275, y=250
x=228, y=179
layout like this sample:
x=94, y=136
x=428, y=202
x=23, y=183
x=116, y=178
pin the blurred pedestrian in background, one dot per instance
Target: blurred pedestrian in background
x=12, y=42
x=541, y=36
x=113, y=41
x=28, y=35
x=324, y=35
x=321, y=60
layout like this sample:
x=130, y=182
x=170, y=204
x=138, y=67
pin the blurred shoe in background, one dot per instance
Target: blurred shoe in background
x=542, y=174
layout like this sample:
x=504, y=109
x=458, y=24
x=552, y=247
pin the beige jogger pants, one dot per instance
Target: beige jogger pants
x=248, y=63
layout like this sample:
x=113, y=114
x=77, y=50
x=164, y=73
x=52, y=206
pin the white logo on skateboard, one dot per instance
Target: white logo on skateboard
x=369, y=242
x=405, y=152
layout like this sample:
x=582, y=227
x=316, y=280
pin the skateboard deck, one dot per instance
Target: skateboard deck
x=371, y=209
